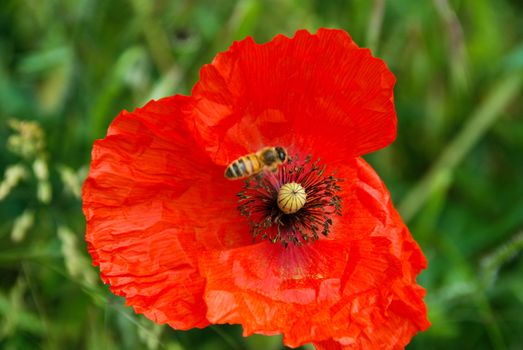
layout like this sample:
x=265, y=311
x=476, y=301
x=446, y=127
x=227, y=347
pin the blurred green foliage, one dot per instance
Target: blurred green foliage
x=67, y=67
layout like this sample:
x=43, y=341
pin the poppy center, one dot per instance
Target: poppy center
x=293, y=204
x=291, y=197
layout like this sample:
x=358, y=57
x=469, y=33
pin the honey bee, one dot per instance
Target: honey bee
x=253, y=163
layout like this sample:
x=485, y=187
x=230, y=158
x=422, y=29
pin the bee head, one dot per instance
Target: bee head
x=282, y=154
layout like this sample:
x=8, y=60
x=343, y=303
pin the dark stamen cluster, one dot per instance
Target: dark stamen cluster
x=258, y=202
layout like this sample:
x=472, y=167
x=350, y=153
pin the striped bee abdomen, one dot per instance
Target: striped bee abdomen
x=243, y=167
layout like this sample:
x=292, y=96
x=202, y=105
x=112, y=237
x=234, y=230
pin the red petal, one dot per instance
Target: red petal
x=150, y=200
x=356, y=286
x=320, y=91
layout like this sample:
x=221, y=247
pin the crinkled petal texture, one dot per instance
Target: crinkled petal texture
x=153, y=201
x=163, y=224
x=322, y=89
x=355, y=289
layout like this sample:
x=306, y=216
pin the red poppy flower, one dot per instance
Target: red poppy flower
x=187, y=247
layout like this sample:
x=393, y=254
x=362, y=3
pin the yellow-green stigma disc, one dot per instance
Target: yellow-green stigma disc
x=291, y=198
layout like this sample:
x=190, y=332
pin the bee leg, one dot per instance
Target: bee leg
x=273, y=168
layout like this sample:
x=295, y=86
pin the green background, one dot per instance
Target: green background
x=455, y=171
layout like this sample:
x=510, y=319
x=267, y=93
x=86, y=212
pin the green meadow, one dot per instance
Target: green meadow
x=455, y=172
